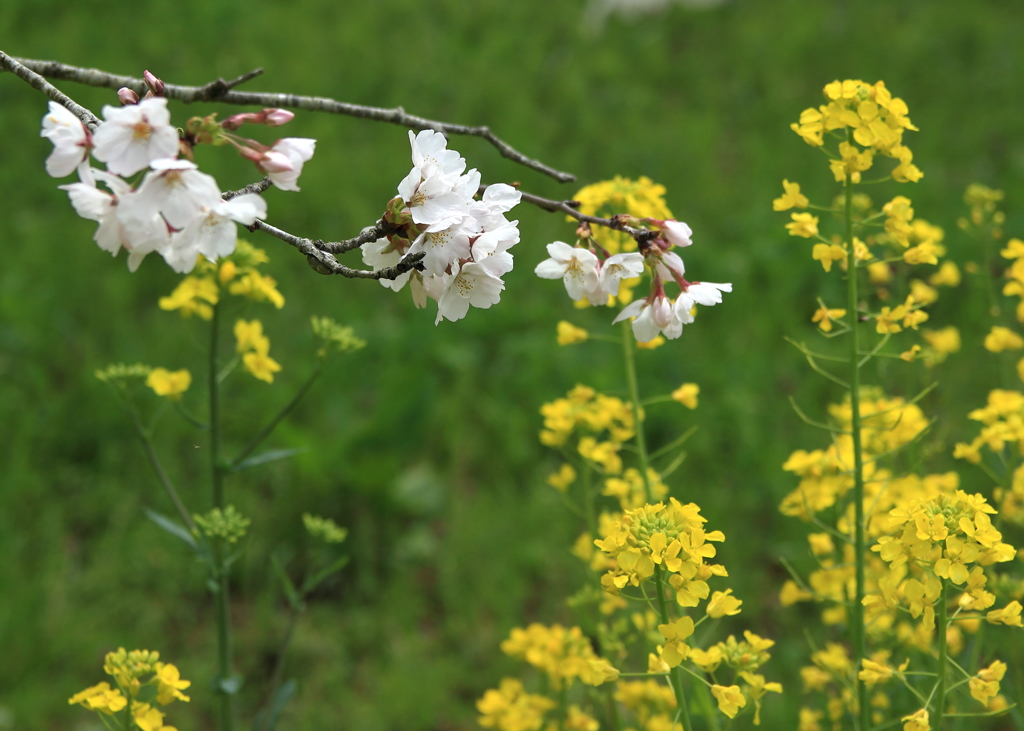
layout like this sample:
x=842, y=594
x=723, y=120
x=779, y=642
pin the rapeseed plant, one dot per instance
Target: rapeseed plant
x=902, y=557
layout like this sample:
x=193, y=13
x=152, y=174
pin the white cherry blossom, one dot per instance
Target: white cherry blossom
x=653, y=317
x=676, y=233
x=284, y=160
x=576, y=267
x=213, y=232
x=430, y=154
x=381, y=254
x=176, y=189
x=138, y=236
x=70, y=141
x=444, y=243
x=470, y=284
x=133, y=136
x=490, y=250
x=616, y=268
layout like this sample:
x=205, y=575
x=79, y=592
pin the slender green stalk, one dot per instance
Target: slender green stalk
x=634, y=397
x=225, y=672
x=272, y=424
x=613, y=707
x=147, y=445
x=857, y=618
x=941, y=624
x=675, y=679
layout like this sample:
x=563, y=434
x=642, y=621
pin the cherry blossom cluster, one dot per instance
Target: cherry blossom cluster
x=591, y=274
x=465, y=242
x=174, y=209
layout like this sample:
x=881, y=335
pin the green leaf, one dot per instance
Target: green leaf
x=271, y=456
x=316, y=579
x=289, y=588
x=175, y=529
x=267, y=720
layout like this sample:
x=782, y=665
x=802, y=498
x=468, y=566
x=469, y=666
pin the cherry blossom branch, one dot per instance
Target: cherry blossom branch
x=569, y=207
x=325, y=263
x=220, y=91
x=36, y=81
x=260, y=186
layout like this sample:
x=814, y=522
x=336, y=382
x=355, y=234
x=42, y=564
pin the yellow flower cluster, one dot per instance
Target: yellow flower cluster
x=511, y=708
x=132, y=672
x=985, y=217
x=872, y=117
x=946, y=537
x=239, y=274
x=671, y=536
x=653, y=704
x=562, y=654
x=639, y=198
x=585, y=410
x=1003, y=420
x=825, y=475
x=1015, y=286
x=254, y=347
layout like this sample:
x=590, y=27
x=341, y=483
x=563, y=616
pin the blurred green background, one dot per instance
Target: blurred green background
x=424, y=444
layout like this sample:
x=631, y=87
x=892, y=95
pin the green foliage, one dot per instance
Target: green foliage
x=423, y=443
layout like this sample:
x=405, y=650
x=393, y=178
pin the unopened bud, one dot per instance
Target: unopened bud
x=156, y=86
x=235, y=121
x=127, y=96
x=277, y=117
x=583, y=231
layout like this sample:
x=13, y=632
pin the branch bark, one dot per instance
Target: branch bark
x=36, y=81
x=221, y=91
x=325, y=263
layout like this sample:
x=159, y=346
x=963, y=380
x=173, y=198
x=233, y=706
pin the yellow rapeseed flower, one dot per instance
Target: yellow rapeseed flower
x=791, y=198
x=261, y=365
x=730, y=699
x=168, y=383
x=257, y=287
x=947, y=276
x=565, y=476
x=193, y=295
x=249, y=336
x=1008, y=615
x=100, y=698
x=985, y=685
x=828, y=253
x=803, y=224
x=722, y=604
x=824, y=316
x=916, y=721
x=687, y=395
x=657, y=342
x=569, y=334
x=1003, y=338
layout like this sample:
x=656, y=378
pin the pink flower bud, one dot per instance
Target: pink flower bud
x=127, y=96
x=156, y=86
x=235, y=121
x=277, y=117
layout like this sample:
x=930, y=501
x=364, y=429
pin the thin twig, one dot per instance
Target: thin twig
x=36, y=81
x=325, y=263
x=220, y=91
x=260, y=186
x=568, y=207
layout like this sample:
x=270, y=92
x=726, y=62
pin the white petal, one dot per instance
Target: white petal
x=630, y=310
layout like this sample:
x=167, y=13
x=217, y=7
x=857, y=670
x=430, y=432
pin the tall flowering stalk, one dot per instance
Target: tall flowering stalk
x=908, y=542
x=648, y=555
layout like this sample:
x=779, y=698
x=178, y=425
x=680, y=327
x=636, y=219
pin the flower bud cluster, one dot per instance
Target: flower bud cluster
x=140, y=677
x=175, y=210
x=464, y=242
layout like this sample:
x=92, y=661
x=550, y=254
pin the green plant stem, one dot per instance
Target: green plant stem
x=857, y=618
x=223, y=603
x=941, y=624
x=154, y=461
x=272, y=424
x=675, y=678
x=634, y=397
